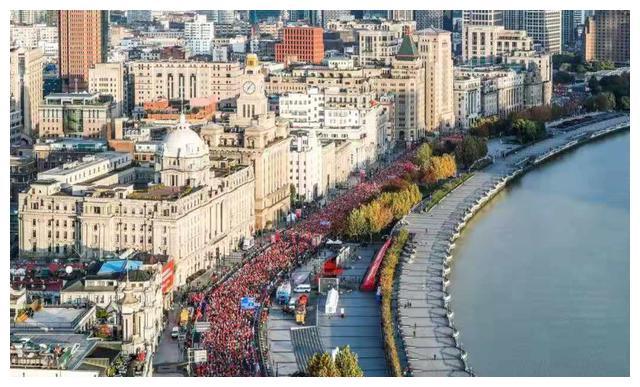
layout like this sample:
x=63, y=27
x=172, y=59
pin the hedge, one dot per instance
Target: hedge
x=387, y=274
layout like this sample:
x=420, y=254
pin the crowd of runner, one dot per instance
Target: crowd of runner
x=230, y=342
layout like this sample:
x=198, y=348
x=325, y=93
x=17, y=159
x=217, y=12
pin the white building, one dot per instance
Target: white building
x=467, y=100
x=337, y=114
x=88, y=168
x=305, y=165
x=198, y=35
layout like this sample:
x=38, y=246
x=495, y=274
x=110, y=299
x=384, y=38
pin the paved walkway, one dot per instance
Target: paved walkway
x=427, y=327
x=360, y=328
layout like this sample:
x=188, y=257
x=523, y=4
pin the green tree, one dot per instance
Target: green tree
x=470, y=149
x=347, y=363
x=564, y=77
x=423, y=154
x=625, y=103
x=322, y=365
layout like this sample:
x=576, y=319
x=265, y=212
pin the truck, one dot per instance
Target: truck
x=283, y=293
x=301, y=309
x=184, y=317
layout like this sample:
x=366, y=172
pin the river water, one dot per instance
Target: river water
x=540, y=276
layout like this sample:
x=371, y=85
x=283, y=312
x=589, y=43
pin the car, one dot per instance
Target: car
x=175, y=332
x=302, y=288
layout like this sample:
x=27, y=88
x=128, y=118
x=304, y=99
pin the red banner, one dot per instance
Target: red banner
x=168, y=272
x=369, y=280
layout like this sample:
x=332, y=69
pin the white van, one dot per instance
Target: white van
x=302, y=288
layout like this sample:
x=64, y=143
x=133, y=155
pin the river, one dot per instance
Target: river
x=540, y=276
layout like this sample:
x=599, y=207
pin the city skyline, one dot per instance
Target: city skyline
x=279, y=192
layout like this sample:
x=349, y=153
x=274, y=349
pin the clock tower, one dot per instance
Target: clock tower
x=253, y=100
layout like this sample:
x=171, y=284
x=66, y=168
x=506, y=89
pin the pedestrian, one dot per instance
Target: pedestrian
x=434, y=356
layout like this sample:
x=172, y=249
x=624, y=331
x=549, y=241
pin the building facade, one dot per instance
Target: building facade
x=189, y=209
x=612, y=40
x=76, y=115
x=302, y=44
x=111, y=79
x=25, y=85
x=254, y=136
x=487, y=44
x=151, y=81
x=83, y=42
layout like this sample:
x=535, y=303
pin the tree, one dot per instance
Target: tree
x=322, y=365
x=356, y=224
x=625, y=103
x=469, y=150
x=423, y=154
x=378, y=217
x=347, y=363
x=528, y=130
x=564, y=77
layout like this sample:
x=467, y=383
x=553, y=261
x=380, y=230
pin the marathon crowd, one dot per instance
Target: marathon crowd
x=231, y=346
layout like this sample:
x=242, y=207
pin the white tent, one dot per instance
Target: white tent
x=331, y=305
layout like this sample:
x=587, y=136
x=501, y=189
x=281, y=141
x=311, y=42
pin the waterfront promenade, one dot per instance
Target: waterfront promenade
x=426, y=323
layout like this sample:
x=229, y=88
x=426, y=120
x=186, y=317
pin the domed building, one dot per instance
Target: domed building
x=183, y=158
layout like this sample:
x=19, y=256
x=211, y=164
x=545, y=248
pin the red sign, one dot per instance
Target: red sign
x=168, y=272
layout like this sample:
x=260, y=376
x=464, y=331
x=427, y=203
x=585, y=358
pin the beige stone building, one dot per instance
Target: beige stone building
x=25, y=85
x=254, y=136
x=76, y=115
x=538, y=80
x=487, y=44
x=152, y=81
x=377, y=47
x=434, y=48
x=406, y=82
x=187, y=207
x=467, y=93
x=110, y=79
x=134, y=298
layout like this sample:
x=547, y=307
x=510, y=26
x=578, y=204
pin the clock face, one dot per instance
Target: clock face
x=249, y=87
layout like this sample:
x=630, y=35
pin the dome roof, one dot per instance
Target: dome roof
x=183, y=142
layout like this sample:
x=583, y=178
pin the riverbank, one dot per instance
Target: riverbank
x=427, y=328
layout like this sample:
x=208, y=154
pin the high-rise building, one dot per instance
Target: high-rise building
x=482, y=17
x=403, y=14
x=302, y=44
x=199, y=35
x=310, y=17
x=570, y=22
x=434, y=48
x=487, y=44
x=335, y=15
x=513, y=19
x=256, y=16
x=134, y=16
x=429, y=18
x=83, y=42
x=407, y=84
x=26, y=85
x=612, y=35
x=544, y=26
x=589, y=40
